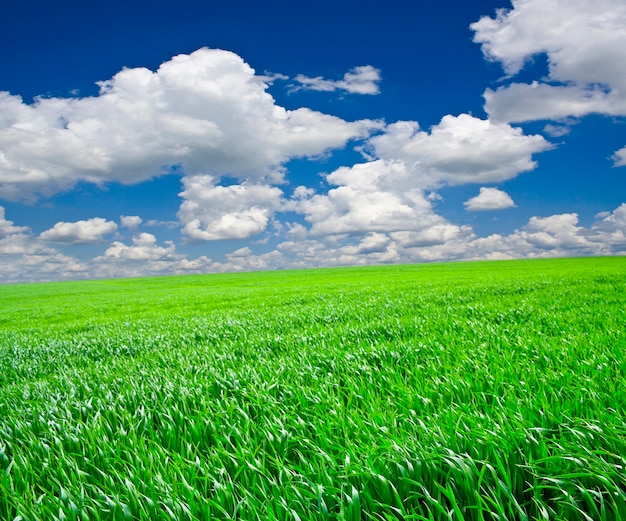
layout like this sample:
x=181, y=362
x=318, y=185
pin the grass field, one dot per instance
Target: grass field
x=469, y=391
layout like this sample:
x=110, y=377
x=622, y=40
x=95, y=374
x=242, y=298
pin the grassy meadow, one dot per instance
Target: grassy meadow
x=465, y=391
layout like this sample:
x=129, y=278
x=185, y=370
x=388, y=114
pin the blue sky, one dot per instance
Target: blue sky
x=149, y=138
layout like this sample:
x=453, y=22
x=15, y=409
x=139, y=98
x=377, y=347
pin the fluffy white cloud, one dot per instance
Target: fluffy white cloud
x=130, y=221
x=206, y=111
x=19, y=244
x=144, y=257
x=617, y=218
x=371, y=249
x=24, y=257
x=374, y=196
x=7, y=228
x=144, y=248
x=244, y=260
x=34, y=263
x=619, y=158
x=585, y=44
x=360, y=80
x=79, y=232
x=460, y=149
x=555, y=236
x=552, y=236
x=440, y=233
x=611, y=231
x=556, y=231
x=536, y=101
x=489, y=199
x=388, y=194
x=211, y=212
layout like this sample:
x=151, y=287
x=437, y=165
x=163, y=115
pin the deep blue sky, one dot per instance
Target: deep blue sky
x=419, y=63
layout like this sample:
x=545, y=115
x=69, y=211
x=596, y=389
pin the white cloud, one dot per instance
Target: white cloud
x=165, y=224
x=270, y=77
x=303, y=254
x=360, y=80
x=557, y=130
x=619, y=158
x=388, y=193
x=144, y=257
x=7, y=228
x=460, y=149
x=554, y=231
x=144, y=248
x=244, y=260
x=553, y=236
x=211, y=212
x=24, y=257
x=585, y=44
x=373, y=243
x=34, y=263
x=20, y=244
x=79, y=232
x=437, y=234
x=130, y=221
x=489, y=199
x=369, y=197
x=616, y=219
x=205, y=111
x=611, y=231
x=536, y=101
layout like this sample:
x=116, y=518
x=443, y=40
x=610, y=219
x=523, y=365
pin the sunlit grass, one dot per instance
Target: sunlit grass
x=473, y=391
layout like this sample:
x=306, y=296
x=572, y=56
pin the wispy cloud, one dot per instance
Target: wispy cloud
x=619, y=158
x=359, y=80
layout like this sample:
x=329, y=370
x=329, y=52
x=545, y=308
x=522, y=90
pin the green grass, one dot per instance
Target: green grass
x=470, y=391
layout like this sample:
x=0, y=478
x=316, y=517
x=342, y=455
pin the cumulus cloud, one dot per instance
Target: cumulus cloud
x=206, y=112
x=371, y=249
x=24, y=257
x=368, y=197
x=359, y=80
x=558, y=235
x=585, y=45
x=489, y=199
x=460, y=149
x=144, y=248
x=7, y=228
x=619, y=158
x=130, y=221
x=79, y=232
x=243, y=259
x=212, y=212
x=19, y=244
x=27, y=261
x=144, y=257
x=552, y=236
x=554, y=231
x=389, y=193
x=536, y=101
x=16, y=240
